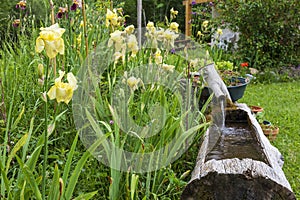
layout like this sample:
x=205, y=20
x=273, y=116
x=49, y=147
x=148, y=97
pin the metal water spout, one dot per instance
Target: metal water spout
x=221, y=98
x=215, y=83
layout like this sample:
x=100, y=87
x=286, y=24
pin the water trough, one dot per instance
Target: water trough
x=236, y=161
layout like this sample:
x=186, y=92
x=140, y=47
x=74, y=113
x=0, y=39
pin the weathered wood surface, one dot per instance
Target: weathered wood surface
x=239, y=178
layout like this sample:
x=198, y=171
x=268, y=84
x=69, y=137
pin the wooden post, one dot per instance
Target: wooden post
x=188, y=13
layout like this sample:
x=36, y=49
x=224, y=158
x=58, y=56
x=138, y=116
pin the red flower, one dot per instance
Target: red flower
x=245, y=64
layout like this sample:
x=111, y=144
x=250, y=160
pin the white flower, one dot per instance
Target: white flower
x=132, y=45
x=117, y=39
x=174, y=27
x=157, y=57
x=169, y=38
x=133, y=82
x=129, y=29
x=168, y=67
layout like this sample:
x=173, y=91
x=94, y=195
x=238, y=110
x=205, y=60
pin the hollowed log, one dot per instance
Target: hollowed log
x=230, y=172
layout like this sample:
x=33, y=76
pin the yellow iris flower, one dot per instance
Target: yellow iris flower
x=150, y=27
x=157, y=57
x=111, y=18
x=205, y=23
x=129, y=29
x=50, y=40
x=174, y=27
x=61, y=91
x=132, y=45
x=173, y=13
x=117, y=39
x=219, y=31
x=133, y=82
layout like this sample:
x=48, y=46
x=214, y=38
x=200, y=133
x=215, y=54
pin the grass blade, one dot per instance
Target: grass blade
x=16, y=148
x=86, y=196
x=25, y=147
x=5, y=181
x=22, y=194
x=30, y=179
x=69, y=160
x=15, y=124
x=75, y=175
x=54, y=189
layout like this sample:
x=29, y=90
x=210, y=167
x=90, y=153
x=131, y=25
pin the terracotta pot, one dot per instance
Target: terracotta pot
x=256, y=109
x=271, y=132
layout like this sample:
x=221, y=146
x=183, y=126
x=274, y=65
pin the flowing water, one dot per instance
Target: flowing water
x=235, y=139
x=218, y=112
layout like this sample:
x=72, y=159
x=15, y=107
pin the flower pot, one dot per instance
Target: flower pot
x=237, y=91
x=256, y=109
x=271, y=132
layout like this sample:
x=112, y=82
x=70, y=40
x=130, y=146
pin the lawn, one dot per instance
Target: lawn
x=281, y=103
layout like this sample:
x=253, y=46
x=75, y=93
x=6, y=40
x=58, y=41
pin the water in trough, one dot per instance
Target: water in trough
x=233, y=138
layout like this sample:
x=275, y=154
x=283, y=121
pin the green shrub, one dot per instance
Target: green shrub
x=269, y=30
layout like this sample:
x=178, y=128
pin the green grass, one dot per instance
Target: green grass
x=281, y=103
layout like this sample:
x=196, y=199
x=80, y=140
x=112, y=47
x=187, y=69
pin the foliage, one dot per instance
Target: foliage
x=29, y=124
x=203, y=27
x=156, y=11
x=269, y=31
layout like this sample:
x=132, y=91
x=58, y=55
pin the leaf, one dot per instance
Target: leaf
x=133, y=184
x=25, y=147
x=16, y=148
x=18, y=119
x=69, y=160
x=30, y=178
x=98, y=132
x=32, y=160
x=74, y=177
x=54, y=189
x=22, y=194
x=86, y=196
x=5, y=180
x=160, y=5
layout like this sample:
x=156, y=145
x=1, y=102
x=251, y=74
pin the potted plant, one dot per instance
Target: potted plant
x=256, y=109
x=235, y=81
x=270, y=131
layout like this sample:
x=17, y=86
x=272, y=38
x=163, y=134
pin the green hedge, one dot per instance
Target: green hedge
x=269, y=30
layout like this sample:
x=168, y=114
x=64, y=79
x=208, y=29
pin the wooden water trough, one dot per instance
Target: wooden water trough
x=237, y=162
